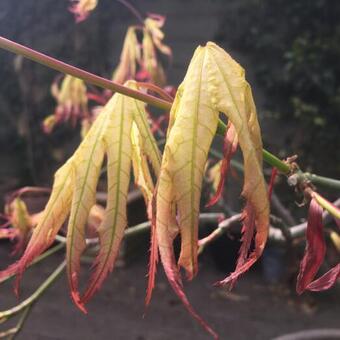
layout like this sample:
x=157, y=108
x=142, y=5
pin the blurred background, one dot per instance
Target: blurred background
x=291, y=53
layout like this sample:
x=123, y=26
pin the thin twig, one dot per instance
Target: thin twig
x=17, y=329
x=298, y=230
x=93, y=79
x=35, y=296
x=282, y=211
x=219, y=231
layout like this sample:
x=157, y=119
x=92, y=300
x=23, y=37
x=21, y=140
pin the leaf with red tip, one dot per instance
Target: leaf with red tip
x=326, y=281
x=128, y=136
x=315, y=248
x=111, y=230
x=74, y=192
x=314, y=254
x=214, y=83
x=243, y=261
x=231, y=94
x=167, y=229
x=229, y=149
x=153, y=252
x=87, y=164
x=53, y=217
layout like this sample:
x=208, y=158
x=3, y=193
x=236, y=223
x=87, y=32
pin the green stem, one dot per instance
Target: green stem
x=267, y=156
x=331, y=208
x=88, y=77
x=275, y=162
x=149, y=99
x=20, y=323
x=35, y=296
x=323, y=181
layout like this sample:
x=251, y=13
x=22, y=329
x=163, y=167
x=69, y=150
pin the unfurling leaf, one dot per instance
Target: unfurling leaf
x=314, y=255
x=214, y=83
x=74, y=192
x=82, y=8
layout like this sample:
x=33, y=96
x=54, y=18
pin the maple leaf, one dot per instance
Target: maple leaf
x=315, y=253
x=152, y=42
x=74, y=193
x=153, y=23
x=214, y=83
x=82, y=8
x=140, y=60
x=130, y=58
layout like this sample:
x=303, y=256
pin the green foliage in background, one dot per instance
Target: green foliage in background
x=295, y=53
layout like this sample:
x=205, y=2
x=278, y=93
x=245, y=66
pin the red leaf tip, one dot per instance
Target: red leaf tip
x=76, y=299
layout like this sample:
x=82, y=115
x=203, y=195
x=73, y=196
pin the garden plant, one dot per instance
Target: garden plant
x=168, y=155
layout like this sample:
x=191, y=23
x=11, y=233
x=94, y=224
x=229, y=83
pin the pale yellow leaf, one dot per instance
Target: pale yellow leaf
x=129, y=58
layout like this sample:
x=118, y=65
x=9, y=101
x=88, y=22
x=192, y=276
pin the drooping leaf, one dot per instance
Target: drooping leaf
x=214, y=83
x=74, y=192
x=52, y=218
x=87, y=162
x=314, y=255
x=153, y=23
x=231, y=95
x=147, y=141
x=326, y=281
x=151, y=65
x=130, y=58
x=111, y=231
x=129, y=122
x=152, y=69
x=141, y=170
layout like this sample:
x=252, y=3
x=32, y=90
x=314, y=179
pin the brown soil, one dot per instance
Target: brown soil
x=253, y=310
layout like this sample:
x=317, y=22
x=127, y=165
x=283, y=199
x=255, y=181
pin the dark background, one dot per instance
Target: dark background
x=291, y=51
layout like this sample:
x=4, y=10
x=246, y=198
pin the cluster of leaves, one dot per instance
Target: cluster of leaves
x=120, y=135
x=214, y=83
x=139, y=60
x=296, y=49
